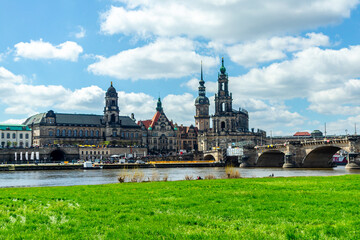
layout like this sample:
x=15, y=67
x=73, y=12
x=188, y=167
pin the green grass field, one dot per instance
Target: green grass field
x=265, y=208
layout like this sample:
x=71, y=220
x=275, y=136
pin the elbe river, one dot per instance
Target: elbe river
x=104, y=176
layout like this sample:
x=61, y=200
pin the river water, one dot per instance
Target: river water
x=103, y=176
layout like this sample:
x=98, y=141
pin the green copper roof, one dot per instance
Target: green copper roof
x=222, y=69
x=14, y=127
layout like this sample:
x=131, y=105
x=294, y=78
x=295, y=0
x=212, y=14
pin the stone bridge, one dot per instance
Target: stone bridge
x=307, y=153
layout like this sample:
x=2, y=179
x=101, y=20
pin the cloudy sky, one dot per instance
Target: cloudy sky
x=294, y=65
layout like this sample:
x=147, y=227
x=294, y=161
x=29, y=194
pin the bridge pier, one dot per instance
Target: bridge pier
x=243, y=161
x=289, y=163
x=353, y=163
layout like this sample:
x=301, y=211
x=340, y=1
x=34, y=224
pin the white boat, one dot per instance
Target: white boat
x=90, y=165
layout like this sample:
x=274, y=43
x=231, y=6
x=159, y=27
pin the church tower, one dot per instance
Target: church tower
x=111, y=110
x=223, y=119
x=111, y=115
x=202, y=117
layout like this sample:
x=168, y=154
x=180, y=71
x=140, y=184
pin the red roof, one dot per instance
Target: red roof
x=146, y=123
x=299, y=134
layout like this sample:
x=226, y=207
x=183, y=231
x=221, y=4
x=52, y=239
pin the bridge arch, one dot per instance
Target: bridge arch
x=209, y=157
x=320, y=157
x=271, y=158
x=57, y=155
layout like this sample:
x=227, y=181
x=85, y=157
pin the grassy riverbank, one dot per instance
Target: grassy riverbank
x=266, y=208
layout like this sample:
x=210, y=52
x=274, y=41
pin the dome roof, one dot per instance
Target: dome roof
x=111, y=92
x=202, y=100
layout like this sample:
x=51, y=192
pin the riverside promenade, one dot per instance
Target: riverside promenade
x=74, y=166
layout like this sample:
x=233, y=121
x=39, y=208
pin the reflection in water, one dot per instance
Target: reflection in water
x=91, y=177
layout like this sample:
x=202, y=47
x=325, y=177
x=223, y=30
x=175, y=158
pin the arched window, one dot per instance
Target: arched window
x=75, y=133
x=51, y=133
x=91, y=133
x=81, y=133
x=97, y=133
x=58, y=132
x=8, y=135
x=27, y=136
x=69, y=132
x=21, y=136
x=112, y=118
x=222, y=125
x=86, y=133
x=63, y=133
x=14, y=135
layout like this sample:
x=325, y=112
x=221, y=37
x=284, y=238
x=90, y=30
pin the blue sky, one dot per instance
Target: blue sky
x=295, y=65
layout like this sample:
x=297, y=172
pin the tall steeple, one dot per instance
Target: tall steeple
x=201, y=83
x=202, y=103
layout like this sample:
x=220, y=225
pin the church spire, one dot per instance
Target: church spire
x=201, y=82
x=222, y=69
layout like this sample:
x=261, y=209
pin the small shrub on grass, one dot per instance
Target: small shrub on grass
x=165, y=177
x=231, y=172
x=137, y=177
x=154, y=177
x=188, y=177
x=122, y=177
x=210, y=176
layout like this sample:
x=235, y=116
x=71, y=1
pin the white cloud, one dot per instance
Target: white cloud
x=309, y=72
x=14, y=121
x=164, y=58
x=45, y=50
x=342, y=100
x=230, y=20
x=180, y=108
x=266, y=50
x=81, y=33
x=141, y=104
x=22, y=98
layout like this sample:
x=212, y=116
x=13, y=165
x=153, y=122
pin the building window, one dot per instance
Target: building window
x=91, y=133
x=69, y=133
x=132, y=135
x=21, y=136
x=114, y=134
x=27, y=136
x=97, y=133
x=14, y=136
x=75, y=133
x=122, y=135
x=26, y=144
x=63, y=133
x=2, y=135
x=80, y=133
x=50, y=133
x=86, y=133
x=58, y=132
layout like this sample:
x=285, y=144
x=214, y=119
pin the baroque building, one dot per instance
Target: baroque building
x=228, y=125
x=161, y=134
x=87, y=129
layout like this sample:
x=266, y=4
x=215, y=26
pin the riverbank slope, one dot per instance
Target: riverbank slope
x=262, y=208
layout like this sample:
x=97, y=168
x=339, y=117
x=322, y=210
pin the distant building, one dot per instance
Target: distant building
x=316, y=133
x=15, y=135
x=302, y=134
x=187, y=138
x=66, y=128
x=228, y=125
